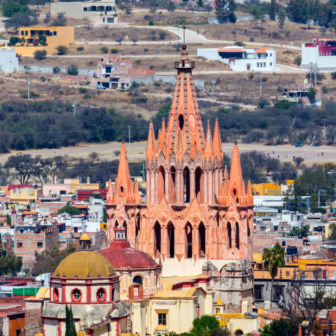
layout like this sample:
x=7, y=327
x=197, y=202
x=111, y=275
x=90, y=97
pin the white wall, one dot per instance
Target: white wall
x=8, y=61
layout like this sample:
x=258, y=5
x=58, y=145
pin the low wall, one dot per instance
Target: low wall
x=49, y=69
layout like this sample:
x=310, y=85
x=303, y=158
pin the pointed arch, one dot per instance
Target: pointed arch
x=186, y=185
x=157, y=239
x=125, y=227
x=161, y=183
x=137, y=230
x=171, y=240
x=172, y=187
x=229, y=237
x=199, y=184
x=237, y=240
x=201, y=240
x=188, y=240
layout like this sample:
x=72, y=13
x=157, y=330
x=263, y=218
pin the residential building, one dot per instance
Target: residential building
x=96, y=12
x=321, y=52
x=298, y=94
x=9, y=62
x=114, y=73
x=43, y=38
x=12, y=316
x=271, y=189
x=25, y=195
x=242, y=59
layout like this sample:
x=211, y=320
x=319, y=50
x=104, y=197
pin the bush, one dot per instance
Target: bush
x=141, y=100
x=333, y=75
x=117, y=152
x=157, y=84
x=240, y=44
x=162, y=35
x=82, y=90
x=253, y=136
x=40, y=54
x=280, y=88
x=80, y=48
x=114, y=51
x=13, y=40
x=151, y=23
x=287, y=33
x=251, y=39
x=145, y=50
x=264, y=79
x=297, y=60
x=283, y=104
x=263, y=103
x=325, y=89
x=62, y=50
x=128, y=11
x=72, y=70
x=250, y=75
x=86, y=96
x=56, y=69
x=275, y=35
x=311, y=93
x=104, y=50
x=43, y=79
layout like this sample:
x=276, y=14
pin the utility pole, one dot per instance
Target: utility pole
x=197, y=26
x=74, y=104
x=28, y=86
x=260, y=84
x=129, y=138
x=323, y=167
x=213, y=82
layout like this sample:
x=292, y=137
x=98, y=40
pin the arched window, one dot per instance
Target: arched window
x=181, y=121
x=228, y=228
x=125, y=227
x=76, y=295
x=56, y=294
x=186, y=185
x=108, y=8
x=171, y=238
x=161, y=183
x=101, y=295
x=137, y=279
x=157, y=241
x=188, y=241
x=201, y=239
x=199, y=184
x=137, y=229
x=237, y=236
x=172, y=189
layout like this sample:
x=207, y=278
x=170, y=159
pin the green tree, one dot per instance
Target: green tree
x=200, y=3
x=19, y=20
x=72, y=211
x=9, y=263
x=204, y=324
x=272, y=9
x=311, y=93
x=273, y=260
x=11, y=8
x=258, y=14
x=9, y=220
x=225, y=11
x=282, y=327
x=70, y=328
x=72, y=70
x=297, y=10
x=40, y=54
x=281, y=19
x=48, y=260
x=303, y=231
x=62, y=50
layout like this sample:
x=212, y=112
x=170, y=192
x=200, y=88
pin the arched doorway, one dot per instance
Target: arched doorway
x=171, y=240
x=137, y=279
x=188, y=241
x=199, y=184
x=161, y=183
x=239, y=332
x=228, y=228
x=186, y=185
x=172, y=190
x=157, y=240
x=237, y=236
x=201, y=240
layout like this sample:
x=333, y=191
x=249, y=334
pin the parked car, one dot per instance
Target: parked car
x=299, y=144
x=329, y=143
x=314, y=144
x=100, y=87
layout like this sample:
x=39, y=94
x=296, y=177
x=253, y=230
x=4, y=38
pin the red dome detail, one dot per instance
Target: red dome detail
x=120, y=253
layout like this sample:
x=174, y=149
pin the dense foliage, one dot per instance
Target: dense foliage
x=9, y=264
x=282, y=327
x=72, y=211
x=48, y=260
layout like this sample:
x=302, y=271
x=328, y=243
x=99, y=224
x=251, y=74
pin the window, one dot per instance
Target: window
x=85, y=9
x=39, y=244
x=264, y=65
x=258, y=293
x=54, y=33
x=162, y=319
x=270, y=54
x=217, y=310
x=137, y=279
x=76, y=295
x=262, y=228
x=26, y=33
x=22, y=32
x=271, y=64
x=101, y=295
x=19, y=244
x=56, y=295
x=277, y=293
x=257, y=65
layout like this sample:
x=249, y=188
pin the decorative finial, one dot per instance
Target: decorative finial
x=235, y=142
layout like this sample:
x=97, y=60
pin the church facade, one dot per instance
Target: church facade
x=196, y=212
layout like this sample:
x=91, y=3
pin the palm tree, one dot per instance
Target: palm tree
x=273, y=260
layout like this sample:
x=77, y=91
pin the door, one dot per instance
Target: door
x=248, y=67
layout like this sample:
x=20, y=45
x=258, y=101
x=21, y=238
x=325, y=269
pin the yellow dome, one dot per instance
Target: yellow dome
x=84, y=237
x=160, y=327
x=83, y=263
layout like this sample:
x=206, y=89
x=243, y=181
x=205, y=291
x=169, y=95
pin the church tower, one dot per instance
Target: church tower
x=195, y=210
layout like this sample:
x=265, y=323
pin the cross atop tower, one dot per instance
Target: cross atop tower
x=184, y=27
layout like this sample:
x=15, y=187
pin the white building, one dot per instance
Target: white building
x=242, y=59
x=8, y=61
x=321, y=52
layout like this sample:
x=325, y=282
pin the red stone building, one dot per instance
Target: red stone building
x=195, y=212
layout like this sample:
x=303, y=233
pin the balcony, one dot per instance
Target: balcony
x=185, y=65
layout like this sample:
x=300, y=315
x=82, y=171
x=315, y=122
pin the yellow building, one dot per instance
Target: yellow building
x=263, y=189
x=24, y=195
x=43, y=38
